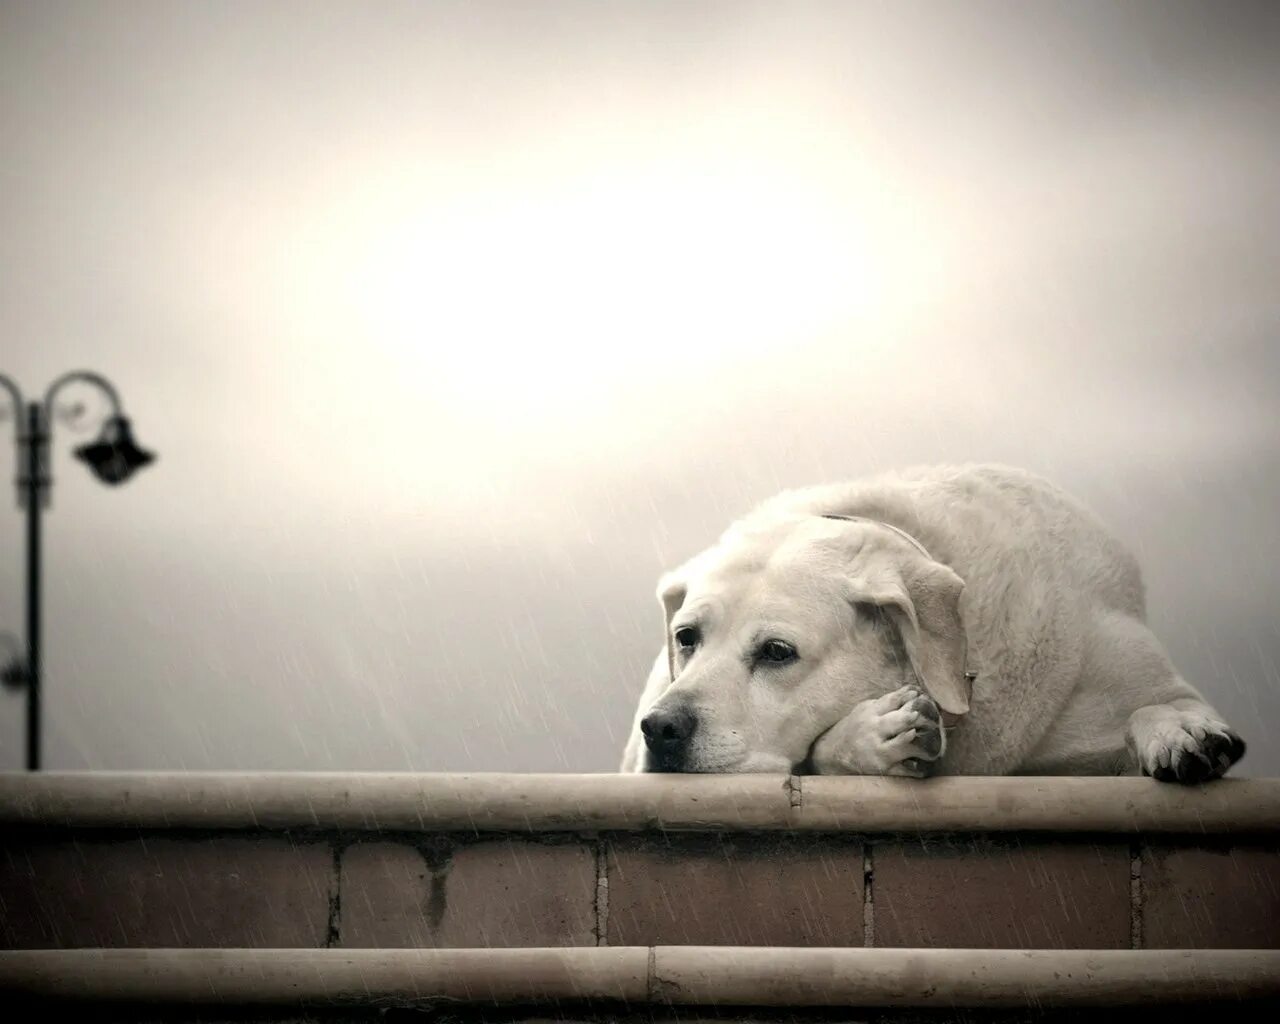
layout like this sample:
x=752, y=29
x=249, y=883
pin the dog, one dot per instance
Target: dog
x=969, y=619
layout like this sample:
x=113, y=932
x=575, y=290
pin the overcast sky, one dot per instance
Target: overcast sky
x=455, y=324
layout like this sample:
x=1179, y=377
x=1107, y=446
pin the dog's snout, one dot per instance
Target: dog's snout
x=667, y=732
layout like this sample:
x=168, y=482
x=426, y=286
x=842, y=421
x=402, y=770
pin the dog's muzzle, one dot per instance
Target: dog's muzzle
x=668, y=733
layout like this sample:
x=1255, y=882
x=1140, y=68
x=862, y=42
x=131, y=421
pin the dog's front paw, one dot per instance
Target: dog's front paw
x=897, y=734
x=1185, y=746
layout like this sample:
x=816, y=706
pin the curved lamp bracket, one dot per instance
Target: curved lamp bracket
x=15, y=396
x=74, y=415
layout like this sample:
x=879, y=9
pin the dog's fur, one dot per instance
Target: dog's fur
x=934, y=573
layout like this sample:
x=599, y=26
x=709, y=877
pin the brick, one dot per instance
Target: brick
x=214, y=892
x=488, y=894
x=1001, y=894
x=735, y=890
x=1215, y=896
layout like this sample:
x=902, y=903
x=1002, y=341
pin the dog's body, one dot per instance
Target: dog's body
x=824, y=631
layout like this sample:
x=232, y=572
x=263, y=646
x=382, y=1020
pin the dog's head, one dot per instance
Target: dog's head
x=774, y=634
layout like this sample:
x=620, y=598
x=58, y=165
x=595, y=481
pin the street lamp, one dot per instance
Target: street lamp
x=113, y=458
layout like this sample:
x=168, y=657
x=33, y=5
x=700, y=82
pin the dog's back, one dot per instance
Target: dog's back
x=987, y=518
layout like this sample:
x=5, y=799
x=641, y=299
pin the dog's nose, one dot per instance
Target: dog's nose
x=667, y=732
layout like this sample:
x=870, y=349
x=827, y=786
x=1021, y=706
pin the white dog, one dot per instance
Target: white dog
x=965, y=620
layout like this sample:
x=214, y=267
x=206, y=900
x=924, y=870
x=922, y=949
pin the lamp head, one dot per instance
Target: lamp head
x=114, y=456
x=13, y=673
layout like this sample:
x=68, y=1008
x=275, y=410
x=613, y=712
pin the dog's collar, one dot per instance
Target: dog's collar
x=969, y=674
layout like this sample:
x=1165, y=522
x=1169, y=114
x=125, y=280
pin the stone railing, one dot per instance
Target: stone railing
x=375, y=889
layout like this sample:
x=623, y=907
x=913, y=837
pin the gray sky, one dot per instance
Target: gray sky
x=456, y=324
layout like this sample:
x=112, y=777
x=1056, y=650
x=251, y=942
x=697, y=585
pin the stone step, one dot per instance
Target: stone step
x=119, y=860
x=632, y=977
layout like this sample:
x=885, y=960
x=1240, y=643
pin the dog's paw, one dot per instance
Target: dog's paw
x=1186, y=747
x=897, y=734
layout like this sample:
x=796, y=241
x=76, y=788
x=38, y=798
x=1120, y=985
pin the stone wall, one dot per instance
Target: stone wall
x=277, y=889
x=320, y=860
x=501, y=862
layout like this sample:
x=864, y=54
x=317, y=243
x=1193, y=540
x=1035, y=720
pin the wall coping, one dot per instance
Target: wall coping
x=679, y=975
x=497, y=802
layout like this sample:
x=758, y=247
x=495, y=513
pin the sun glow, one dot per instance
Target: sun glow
x=536, y=322
x=544, y=303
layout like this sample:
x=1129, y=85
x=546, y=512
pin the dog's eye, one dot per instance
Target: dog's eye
x=687, y=638
x=777, y=651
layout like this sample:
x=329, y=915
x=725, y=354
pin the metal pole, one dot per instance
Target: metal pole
x=113, y=458
x=33, y=484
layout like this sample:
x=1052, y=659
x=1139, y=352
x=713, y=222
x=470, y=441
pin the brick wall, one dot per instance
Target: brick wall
x=160, y=887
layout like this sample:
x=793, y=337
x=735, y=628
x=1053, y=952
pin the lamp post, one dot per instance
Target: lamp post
x=113, y=458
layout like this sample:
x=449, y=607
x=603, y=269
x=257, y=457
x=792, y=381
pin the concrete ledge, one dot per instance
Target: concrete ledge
x=457, y=862
x=691, y=976
x=577, y=803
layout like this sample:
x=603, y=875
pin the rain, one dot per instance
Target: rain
x=454, y=326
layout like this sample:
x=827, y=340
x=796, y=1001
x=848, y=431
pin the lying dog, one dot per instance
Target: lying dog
x=966, y=620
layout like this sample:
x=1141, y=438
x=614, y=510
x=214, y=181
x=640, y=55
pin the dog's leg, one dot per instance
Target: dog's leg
x=1183, y=741
x=897, y=734
x=631, y=754
x=633, y=757
x=1174, y=735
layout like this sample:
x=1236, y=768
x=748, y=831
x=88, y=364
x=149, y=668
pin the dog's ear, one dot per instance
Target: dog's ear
x=672, y=589
x=923, y=598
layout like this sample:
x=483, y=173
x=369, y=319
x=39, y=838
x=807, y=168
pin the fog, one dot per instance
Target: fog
x=454, y=325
